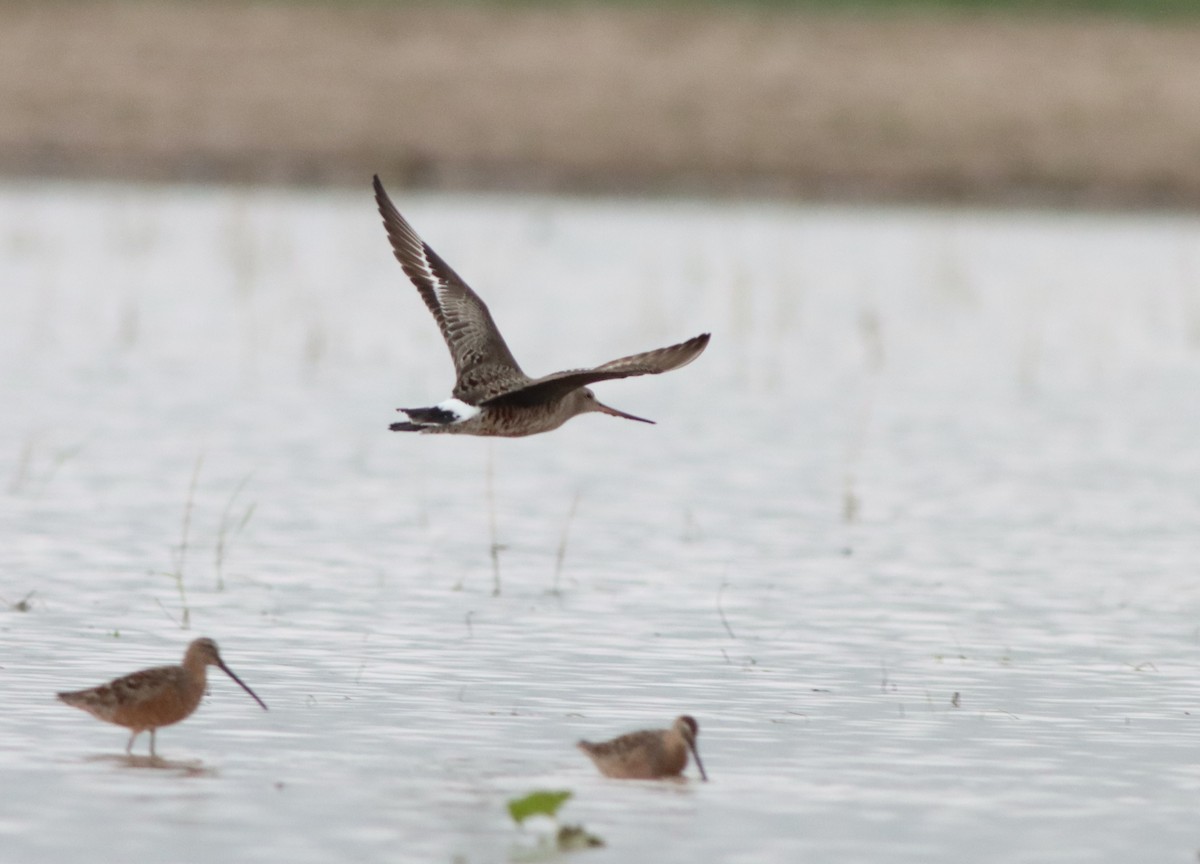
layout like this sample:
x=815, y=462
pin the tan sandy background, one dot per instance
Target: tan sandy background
x=611, y=99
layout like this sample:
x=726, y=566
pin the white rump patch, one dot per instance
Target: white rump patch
x=460, y=409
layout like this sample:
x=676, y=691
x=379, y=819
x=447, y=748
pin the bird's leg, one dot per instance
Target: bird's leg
x=152, y=733
x=129, y=746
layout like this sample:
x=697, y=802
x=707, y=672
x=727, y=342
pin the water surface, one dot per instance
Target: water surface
x=915, y=539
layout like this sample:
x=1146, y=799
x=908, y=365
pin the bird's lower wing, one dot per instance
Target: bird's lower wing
x=559, y=384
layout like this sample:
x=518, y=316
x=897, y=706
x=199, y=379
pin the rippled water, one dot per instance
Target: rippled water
x=916, y=539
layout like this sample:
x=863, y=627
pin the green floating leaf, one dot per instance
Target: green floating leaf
x=541, y=803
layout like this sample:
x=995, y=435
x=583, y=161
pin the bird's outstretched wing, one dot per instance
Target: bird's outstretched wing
x=481, y=357
x=654, y=362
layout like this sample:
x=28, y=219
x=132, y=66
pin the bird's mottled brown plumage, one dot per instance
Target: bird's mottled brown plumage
x=649, y=754
x=488, y=377
x=153, y=698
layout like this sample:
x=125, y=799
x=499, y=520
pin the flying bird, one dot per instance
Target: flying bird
x=491, y=395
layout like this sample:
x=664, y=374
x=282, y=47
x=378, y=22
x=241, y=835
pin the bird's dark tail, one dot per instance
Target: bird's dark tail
x=420, y=419
x=436, y=416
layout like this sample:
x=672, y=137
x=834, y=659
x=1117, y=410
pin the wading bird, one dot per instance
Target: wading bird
x=492, y=396
x=153, y=698
x=649, y=754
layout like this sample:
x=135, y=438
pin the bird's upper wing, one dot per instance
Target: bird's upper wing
x=480, y=354
x=654, y=362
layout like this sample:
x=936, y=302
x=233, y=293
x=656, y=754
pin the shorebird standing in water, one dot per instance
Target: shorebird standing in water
x=492, y=396
x=648, y=755
x=153, y=698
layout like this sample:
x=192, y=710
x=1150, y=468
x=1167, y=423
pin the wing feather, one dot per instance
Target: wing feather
x=479, y=352
x=550, y=387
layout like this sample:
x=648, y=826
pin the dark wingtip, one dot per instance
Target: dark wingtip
x=405, y=427
x=380, y=195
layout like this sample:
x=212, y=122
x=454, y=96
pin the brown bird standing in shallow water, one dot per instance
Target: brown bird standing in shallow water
x=648, y=755
x=492, y=396
x=153, y=698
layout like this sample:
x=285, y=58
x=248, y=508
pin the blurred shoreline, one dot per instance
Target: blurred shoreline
x=930, y=107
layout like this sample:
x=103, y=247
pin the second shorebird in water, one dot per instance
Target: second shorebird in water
x=492, y=396
x=650, y=754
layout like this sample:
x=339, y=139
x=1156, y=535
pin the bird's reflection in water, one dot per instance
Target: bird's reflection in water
x=181, y=767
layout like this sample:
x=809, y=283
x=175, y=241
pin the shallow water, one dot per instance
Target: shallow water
x=915, y=539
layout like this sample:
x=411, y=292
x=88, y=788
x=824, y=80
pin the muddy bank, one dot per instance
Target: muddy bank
x=602, y=99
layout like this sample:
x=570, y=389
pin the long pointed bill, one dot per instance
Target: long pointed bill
x=699, y=764
x=604, y=409
x=242, y=684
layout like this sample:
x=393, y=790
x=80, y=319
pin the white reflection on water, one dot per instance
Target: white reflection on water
x=1004, y=403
